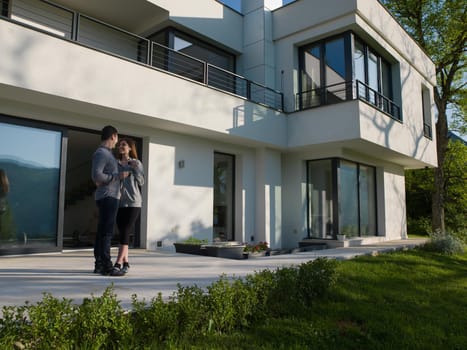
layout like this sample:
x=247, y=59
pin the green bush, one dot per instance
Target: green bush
x=226, y=306
x=230, y=305
x=101, y=322
x=190, y=310
x=444, y=243
x=154, y=322
x=50, y=324
x=315, y=278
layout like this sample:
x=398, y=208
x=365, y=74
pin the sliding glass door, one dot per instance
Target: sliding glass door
x=30, y=163
x=341, y=199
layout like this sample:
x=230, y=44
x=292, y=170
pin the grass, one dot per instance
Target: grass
x=402, y=300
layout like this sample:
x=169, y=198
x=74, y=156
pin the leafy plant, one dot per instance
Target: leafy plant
x=193, y=240
x=256, y=248
x=444, y=243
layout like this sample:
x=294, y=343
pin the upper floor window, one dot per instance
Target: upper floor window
x=196, y=48
x=342, y=68
x=426, y=110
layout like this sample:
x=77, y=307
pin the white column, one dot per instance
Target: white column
x=268, y=197
x=258, y=49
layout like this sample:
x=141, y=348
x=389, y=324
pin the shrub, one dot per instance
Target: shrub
x=12, y=326
x=230, y=305
x=102, y=323
x=444, y=243
x=190, y=310
x=315, y=278
x=156, y=321
x=50, y=324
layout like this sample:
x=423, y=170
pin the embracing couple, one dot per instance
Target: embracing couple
x=118, y=198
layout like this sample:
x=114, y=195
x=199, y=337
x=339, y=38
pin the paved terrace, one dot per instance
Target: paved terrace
x=69, y=274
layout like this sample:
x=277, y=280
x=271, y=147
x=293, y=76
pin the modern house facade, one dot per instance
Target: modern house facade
x=277, y=123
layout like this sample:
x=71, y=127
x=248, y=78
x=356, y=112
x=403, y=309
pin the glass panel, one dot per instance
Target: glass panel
x=203, y=52
x=30, y=172
x=42, y=15
x=367, y=201
x=373, y=76
x=426, y=107
x=311, y=77
x=386, y=85
x=223, y=197
x=348, y=199
x=335, y=71
x=320, y=198
x=359, y=61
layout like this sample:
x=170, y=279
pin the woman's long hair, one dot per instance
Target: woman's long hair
x=130, y=142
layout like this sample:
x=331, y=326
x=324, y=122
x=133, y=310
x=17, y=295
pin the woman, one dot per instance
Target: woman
x=130, y=200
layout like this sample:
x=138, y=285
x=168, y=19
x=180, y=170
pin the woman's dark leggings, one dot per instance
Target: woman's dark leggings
x=126, y=219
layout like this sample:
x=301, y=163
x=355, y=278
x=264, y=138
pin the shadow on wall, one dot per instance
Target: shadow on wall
x=197, y=230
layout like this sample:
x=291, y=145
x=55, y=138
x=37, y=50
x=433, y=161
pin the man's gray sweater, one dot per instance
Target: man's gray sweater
x=104, y=173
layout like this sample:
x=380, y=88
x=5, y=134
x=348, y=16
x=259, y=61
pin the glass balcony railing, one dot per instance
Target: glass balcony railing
x=347, y=91
x=56, y=20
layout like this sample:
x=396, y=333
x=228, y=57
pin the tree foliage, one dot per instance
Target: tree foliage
x=420, y=185
x=440, y=27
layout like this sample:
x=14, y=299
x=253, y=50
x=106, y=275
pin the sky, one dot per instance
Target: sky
x=235, y=4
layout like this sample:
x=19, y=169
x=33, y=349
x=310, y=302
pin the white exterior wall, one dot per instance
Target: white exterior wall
x=179, y=119
x=180, y=200
x=268, y=197
x=395, y=222
x=208, y=18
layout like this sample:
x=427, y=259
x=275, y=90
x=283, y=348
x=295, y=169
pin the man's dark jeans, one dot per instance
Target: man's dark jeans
x=108, y=208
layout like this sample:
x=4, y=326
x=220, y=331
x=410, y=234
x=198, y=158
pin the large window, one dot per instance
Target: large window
x=342, y=68
x=193, y=47
x=29, y=189
x=325, y=70
x=341, y=199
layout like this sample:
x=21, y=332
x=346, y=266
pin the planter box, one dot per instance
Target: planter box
x=189, y=248
x=225, y=251
x=259, y=254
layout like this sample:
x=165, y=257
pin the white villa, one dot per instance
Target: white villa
x=286, y=124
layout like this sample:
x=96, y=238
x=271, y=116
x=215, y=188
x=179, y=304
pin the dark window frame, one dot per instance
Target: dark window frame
x=171, y=33
x=349, y=38
x=14, y=120
x=336, y=185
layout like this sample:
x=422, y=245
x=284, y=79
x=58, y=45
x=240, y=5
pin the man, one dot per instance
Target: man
x=107, y=179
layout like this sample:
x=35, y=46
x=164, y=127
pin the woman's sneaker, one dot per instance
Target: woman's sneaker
x=116, y=271
x=125, y=268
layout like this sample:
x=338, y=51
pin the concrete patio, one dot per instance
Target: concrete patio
x=69, y=274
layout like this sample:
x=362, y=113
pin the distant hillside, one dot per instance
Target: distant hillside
x=33, y=198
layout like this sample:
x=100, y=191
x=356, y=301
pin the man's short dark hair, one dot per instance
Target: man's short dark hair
x=107, y=132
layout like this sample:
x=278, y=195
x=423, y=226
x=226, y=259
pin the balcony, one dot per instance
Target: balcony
x=59, y=21
x=347, y=91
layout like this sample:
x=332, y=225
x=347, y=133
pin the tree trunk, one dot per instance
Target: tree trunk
x=438, y=198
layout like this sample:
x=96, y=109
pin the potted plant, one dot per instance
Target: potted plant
x=191, y=245
x=229, y=250
x=259, y=249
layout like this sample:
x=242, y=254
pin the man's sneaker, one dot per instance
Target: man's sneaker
x=125, y=268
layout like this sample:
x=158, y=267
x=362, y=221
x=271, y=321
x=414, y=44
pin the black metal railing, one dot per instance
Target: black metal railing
x=50, y=18
x=381, y=102
x=347, y=91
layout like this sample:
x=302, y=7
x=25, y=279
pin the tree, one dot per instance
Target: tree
x=440, y=27
x=420, y=185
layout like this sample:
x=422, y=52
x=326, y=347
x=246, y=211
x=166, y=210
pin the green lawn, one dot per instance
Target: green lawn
x=403, y=300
